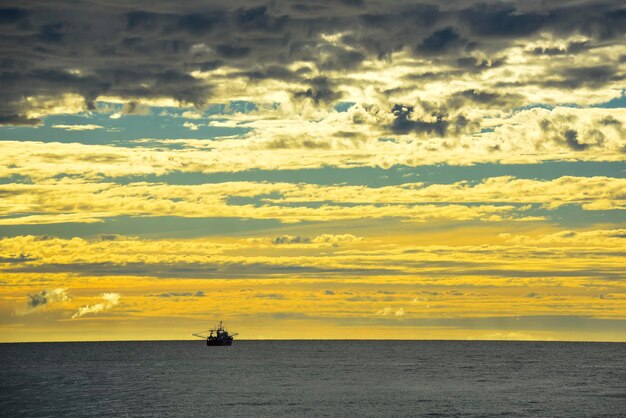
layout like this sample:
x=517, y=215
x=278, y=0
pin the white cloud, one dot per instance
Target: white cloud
x=88, y=127
x=191, y=126
x=110, y=300
x=192, y=115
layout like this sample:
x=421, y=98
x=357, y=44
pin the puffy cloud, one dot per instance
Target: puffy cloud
x=43, y=298
x=109, y=301
x=191, y=126
x=336, y=239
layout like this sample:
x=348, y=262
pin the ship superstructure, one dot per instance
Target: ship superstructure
x=217, y=336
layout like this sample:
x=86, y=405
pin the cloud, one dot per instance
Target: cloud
x=110, y=300
x=45, y=297
x=290, y=239
x=608, y=238
x=273, y=296
x=350, y=84
x=388, y=311
x=522, y=259
x=429, y=293
x=437, y=124
x=320, y=91
x=304, y=55
x=87, y=127
x=197, y=294
x=191, y=126
x=196, y=201
x=336, y=239
x=332, y=239
x=359, y=137
x=111, y=237
x=385, y=311
x=16, y=259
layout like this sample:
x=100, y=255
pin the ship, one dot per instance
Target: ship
x=217, y=336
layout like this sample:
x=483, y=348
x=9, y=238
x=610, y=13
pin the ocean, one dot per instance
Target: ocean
x=313, y=378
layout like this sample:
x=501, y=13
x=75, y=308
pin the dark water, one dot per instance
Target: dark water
x=302, y=378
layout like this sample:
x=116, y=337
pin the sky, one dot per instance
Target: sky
x=313, y=169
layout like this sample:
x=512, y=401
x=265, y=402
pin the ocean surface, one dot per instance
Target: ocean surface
x=313, y=378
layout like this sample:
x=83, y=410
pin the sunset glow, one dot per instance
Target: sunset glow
x=340, y=170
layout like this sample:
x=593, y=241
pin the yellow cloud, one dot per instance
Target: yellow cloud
x=490, y=200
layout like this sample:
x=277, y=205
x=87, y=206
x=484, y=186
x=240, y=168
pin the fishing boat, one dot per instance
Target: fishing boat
x=217, y=336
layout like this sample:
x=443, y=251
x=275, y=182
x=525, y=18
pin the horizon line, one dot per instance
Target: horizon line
x=323, y=340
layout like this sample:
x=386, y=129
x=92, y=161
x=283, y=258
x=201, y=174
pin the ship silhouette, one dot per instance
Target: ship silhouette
x=217, y=336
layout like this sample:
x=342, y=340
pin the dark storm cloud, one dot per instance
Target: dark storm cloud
x=501, y=20
x=146, y=49
x=439, y=124
x=321, y=90
x=592, y=76
x=271, y=72
x=485, y=99
x=441, y=41
x=476, y=64
x=572, y=48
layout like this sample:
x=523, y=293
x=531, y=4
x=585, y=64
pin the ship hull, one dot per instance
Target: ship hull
x=217, y=343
